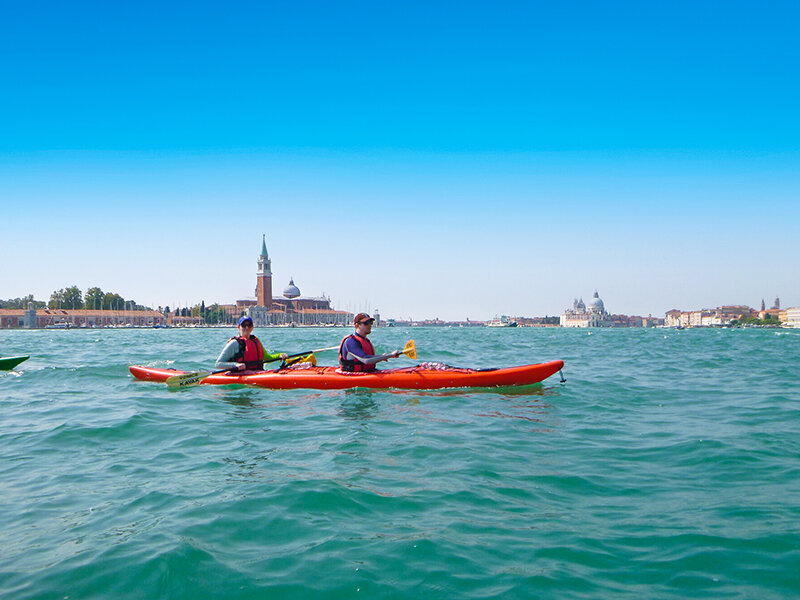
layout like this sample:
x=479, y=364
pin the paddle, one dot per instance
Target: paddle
x=307, y=356
x=192, y=378
x=410, y=350
x=297, y=358
x=198, y=376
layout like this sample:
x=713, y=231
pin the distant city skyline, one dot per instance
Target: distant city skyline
x=776, y=303
x=420, y=159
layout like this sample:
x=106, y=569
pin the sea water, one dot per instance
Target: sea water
x=667, y=466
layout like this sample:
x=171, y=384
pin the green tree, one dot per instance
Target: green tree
x=56, y=299
x=94, y=298
x=69, y=298
x=768, y=320
x=113, y=301
x=133, y=305
x=215, y=314
x=22, y=302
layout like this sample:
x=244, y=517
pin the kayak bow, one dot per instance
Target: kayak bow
x=9, y=362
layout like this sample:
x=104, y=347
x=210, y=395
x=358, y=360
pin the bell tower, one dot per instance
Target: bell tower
x=264, y=277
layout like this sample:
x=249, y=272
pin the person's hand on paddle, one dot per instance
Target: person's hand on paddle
x=396, y=353
x=284, y=356
x=241, y=367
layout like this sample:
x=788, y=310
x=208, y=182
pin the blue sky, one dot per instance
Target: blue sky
x=425, y=159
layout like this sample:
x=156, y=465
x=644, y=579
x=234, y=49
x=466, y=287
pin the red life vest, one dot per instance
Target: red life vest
x=355, y=365
x=251, y=353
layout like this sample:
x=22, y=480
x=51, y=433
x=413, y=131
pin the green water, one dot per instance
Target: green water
x=668, y=466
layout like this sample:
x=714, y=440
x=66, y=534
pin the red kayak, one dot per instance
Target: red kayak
x=422, y=377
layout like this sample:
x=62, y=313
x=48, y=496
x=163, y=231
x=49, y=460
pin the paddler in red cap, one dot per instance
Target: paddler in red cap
x=356, y=352
x=245, y=352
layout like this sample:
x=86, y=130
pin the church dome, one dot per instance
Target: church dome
x=595, y=304
x=291, y=290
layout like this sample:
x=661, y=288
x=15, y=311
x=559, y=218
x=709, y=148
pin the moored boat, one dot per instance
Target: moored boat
x=502, y=321
x=426, y=376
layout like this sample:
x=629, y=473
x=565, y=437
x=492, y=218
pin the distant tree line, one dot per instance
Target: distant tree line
x=768, y=320
x=71, y=298
x=95, y=298
x=21, y=302
x=212, y=314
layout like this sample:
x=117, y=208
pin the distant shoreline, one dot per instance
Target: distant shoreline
x=404, y=326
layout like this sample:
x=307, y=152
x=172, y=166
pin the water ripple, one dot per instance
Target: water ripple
x=667, y=466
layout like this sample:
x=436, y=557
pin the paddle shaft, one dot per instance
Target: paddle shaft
x=304, y=353
x=370, y=360
x=409, y=348
x=188, y=379
x=192, y=378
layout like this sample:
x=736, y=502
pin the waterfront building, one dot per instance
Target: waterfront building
x=592, y=315
x=792, y=317
x=546, y=321
x=175, y=320
x=290, y=309
x=773, y=313
x=708, y=317
x=627, y=321
x=723, y=315
x=651, y=321
x=52, y=318
x=672, y=318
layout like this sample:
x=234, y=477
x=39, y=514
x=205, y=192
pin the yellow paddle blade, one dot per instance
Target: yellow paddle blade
x=309, y=358
x=410, y=349
x=186, y=379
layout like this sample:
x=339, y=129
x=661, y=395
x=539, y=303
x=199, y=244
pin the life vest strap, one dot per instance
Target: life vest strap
x=251, y=352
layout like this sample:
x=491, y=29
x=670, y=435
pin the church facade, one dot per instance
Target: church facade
x=291, y=308
x=592, y=315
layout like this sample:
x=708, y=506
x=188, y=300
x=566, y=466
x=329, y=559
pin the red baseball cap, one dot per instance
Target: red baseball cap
x=363, y=318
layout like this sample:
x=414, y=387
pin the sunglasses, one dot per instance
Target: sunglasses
x=246, y=324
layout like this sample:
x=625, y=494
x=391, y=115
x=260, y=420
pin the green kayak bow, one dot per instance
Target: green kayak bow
x=9, y=362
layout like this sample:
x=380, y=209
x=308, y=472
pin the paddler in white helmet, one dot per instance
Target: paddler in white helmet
x=245, y=352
